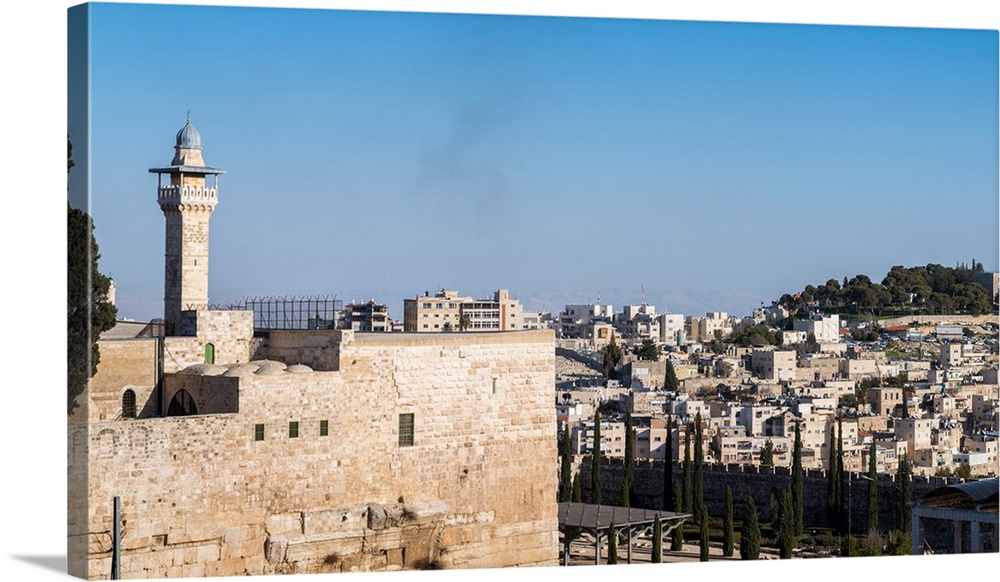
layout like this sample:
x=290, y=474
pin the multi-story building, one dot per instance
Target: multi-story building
x=771, y=364
x=575, y=319
x=447, y=311
x=368, y=316
x=671, y=328
x=825, y=328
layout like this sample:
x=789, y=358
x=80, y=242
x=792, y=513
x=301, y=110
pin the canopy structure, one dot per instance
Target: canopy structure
x=596, y=520
x=971, y=507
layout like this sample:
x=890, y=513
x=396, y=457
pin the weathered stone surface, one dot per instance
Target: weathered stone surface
x=201, y=494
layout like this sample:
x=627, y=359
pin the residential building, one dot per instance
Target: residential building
x=447, y=311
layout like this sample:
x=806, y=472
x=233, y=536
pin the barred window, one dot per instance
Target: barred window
x=128, y=404
x=406, y=429
x=258, y=432
x=324, y=427
x=293, y=429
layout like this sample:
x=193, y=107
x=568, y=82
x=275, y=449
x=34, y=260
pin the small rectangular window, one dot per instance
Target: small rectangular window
x=324, y=427
x=258, y=432
x=293, y=429
x=406, y=429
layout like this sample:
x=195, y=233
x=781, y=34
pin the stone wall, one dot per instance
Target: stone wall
x=126, y=364
x=201, y=495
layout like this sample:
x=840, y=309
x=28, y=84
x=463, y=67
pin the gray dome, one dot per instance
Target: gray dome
x=188, y=137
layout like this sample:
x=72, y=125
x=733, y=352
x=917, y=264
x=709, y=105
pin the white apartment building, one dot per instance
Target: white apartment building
x=575, y=319
x=825, y=328
x=447, y=311
x=671, y=328
x=771, y=364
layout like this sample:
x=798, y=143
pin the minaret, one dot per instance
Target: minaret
x=187, y=203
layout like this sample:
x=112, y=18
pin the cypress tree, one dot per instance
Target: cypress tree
x=629, y=473
x=612, y=544
x=677, y=534
x=670, y=382
x=796, y=500
x=595, y=458
x=750, y=532
x=833, y=482
x=577, y=489
x=727, y=526
x=703, y=537
x=872, y=490
x=566, y=468
x=688, y=477
x=786, y=525
x=842, y=500
x=904, y=488
x=657, y=556
x=699, y=478
x=669, y=501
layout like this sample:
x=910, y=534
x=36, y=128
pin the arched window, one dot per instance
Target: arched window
x=182, y=405
x=209, y=353
x=128, y=404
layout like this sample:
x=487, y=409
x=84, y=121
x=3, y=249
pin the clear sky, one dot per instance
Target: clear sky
x=570, y=160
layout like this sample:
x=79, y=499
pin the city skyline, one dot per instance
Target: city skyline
x=379, y=155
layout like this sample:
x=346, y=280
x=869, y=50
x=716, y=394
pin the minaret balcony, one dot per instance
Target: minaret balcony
x=187, y=194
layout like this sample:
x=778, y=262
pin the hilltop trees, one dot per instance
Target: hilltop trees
x=904, y=290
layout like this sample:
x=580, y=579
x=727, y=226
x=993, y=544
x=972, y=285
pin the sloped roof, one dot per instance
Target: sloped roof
x=982, y=494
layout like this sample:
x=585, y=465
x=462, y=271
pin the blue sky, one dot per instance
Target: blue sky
x=380, y=155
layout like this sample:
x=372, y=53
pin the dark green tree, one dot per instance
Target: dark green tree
x=785, y=527
x=647, y=350
x=767, y=454
x=577, y=489
x=688, y=483
x=612, y=357
x=595, y=459
x=750, y=532
x=833, y=483
x=797, y=481
x=872, y=489
x=703, y=537
x=904, y=493
x=612, y=544
x=88, y=311
x=669, y=501
x=698, y=496
x=629, y=469
x=670, y=382
x=677, y=534
x=727, y=525
x=842, y=501
x=657, y=555
x=566, y=467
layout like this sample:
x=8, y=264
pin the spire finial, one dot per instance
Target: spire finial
x=189, y=116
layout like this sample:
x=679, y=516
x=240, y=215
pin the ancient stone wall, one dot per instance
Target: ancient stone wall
x=201, y=495
x=125, y=364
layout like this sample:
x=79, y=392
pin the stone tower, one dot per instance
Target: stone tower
x=187, y=202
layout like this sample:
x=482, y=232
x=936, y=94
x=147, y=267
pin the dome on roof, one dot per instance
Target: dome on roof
x=188, y=137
